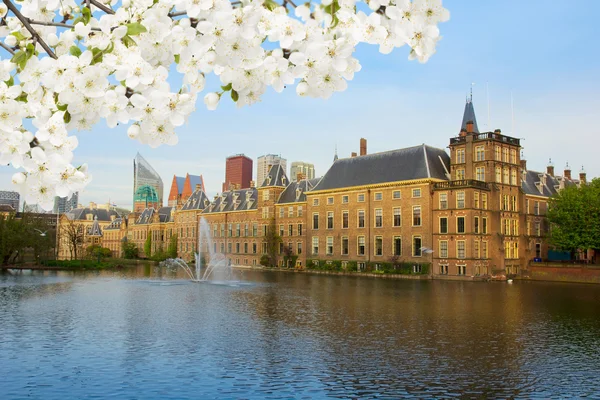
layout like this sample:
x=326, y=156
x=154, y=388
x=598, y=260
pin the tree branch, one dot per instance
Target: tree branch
x=5, y=47
x=59, y=24
x=28, y=26
x=101, y=6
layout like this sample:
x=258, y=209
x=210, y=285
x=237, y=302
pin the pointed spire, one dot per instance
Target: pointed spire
x=469, y=116
x=335, y=157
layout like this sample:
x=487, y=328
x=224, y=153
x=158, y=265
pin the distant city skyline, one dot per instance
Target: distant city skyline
x=394, y=103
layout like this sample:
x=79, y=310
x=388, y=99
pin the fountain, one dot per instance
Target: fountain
x=217, y=269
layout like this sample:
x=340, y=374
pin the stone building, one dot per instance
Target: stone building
x=80, y=228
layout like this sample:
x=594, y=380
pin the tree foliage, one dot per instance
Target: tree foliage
x=72, y=233
x=574, y=216
x=25, y=233
x=273, y=240
x=148, y=245
x=130, y=250
x=172, y=248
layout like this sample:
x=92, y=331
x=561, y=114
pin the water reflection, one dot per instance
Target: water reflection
x=149, y=333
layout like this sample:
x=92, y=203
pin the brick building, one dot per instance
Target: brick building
x=182, y=188
x=238, y=172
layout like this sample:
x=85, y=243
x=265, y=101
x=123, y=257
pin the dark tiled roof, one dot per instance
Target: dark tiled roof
x=296, y=191
x=276, y=177
x=541, y=184
x=115, y=225
x=197, y=201
x=235, y=200
x=95, y=229
x=102, y=215
x=147, y=216
x=165, y=214
x=469, y=115
x=417, y=162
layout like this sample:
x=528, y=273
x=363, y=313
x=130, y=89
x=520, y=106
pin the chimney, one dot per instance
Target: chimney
x=567, y=173
x=463, y=132
x=523, y=165
x=353, y=154
x=198, y=186
x=469, y=126
x=582, y=177
x=363, y=146
x=550, y=168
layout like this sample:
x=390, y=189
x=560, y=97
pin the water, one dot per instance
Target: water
x=152, y=334
x=218, y=269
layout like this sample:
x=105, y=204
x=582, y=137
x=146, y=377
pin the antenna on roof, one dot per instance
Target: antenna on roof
x=472, y=84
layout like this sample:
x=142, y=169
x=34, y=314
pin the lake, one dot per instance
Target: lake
x=148, y=333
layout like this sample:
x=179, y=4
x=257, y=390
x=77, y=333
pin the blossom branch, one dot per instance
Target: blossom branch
x=59, y=24
x=28, y=26
x=101, y=6
x=7, y=48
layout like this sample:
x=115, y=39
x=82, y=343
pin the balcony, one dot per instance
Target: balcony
x=487, y=136
x=460, y=184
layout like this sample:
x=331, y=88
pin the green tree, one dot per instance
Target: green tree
x=273, y=240
x=172, y=248
x=130, y=250
x=148, y=245
x=574, y=217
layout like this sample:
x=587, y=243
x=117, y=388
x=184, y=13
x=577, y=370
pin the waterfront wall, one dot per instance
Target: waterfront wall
x=562, y=273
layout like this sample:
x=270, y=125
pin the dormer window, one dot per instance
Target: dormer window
x=283, y=180
x=249, y=204
x=248, y=195
x=222, y=205
x=236, y=204
x=205, y=203
x=268, y=180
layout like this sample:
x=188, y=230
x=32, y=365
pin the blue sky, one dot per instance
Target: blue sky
x=544, y=52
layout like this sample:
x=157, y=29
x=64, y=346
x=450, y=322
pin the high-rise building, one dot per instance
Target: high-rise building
x=238, y=172
x=147, y=185
x=264, y=165
x=65, y=204
x=300, y=167
x=10, y=198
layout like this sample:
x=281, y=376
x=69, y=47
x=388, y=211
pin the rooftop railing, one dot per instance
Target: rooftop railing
x=462, y=183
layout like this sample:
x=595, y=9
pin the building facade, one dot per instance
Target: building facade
x=238, y=172
x=300, y=167
x=264, y=164
x=147, y=185
x=183, y=187
x=65, y=204
x=10, y=198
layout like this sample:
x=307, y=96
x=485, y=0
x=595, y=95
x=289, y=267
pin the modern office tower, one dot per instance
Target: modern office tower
x=65, y=204
x=238, y=172
x=147, y=185
x=300, y=167
x=10, y=198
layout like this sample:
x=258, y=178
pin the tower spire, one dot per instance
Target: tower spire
x=469, y=116
x=335, y=157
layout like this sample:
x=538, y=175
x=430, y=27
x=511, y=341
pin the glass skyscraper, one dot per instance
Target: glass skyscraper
x=147, y=185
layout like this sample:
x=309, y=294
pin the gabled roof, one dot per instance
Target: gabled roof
x=235, y=200
x=469, y=115
x=147, y=216
x=196, y=180
x=115, y=225
x=542, y=184
x=180, y=180
x=197, y=201
x=95, y=229
x=418, y=162
x=276, y=177
x=165, y=214
x=101, y=214
x=296, y=191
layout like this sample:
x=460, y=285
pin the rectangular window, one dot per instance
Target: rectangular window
x=513, y=203
x=237, y=248
x=397, y=217
x=513, y=177
x=479, y=153
x=460, y=199
x=497, y=153
x=254, y=248
x=330, y=200
x=513, y=156
x=329, y=245
x=361, y=246
x=538, y=250
x=361, y=198
x=505, y=175
x=378, y=218
x=416, y=215
x=484, y=251
x=245, y=230
x=498, y=175
x=266, y=195
x=505, y=154
x=443, y=249
x=460, y=174
x=460, y=249
x=281, y=231
x=315, y=202
x=265, y=212
x=345, y=245
x=281, y=212
x=315, y=221
x=290, y=212
x=443, y=225
x=476, y=225
x=246, y=248
x=476, y=253
x=238, y=231
x=254, y=230
x=361, y=218
x=444, y=201
x=299, y=211
x=378, y=196
x=397, y=246
x=378, y=245
x=291, y=230
x=417, y=244
x=536, y=208
x=462, y=269
x=476, y=200
x=228, y=247
x=538, y=228
x=299, y=251
x=416, y=193
x=345, y=219
x=480, y=174
x=229, y=230
x=396, y=195
x=484, y=201
x=330, y=220
x=460, y=156
x=460, y=224
x=299, y=229
x=315, y=245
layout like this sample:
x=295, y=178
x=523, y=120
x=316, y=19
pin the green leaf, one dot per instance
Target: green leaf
x=226, y=88
x=86, y=15
x=270, y=5
x=128, y=41
x=10, y=81
x=176, y=58
x=67, y=117
x=18, y=35
x=234, y=95
x=61, y=107
x=97, y=55
x=20, y=58
x=22, y=97
x=75, y=51
x=135, y=28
